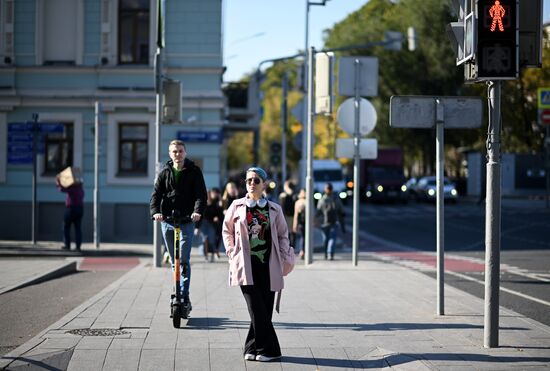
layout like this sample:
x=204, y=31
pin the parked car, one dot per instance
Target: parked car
x=426, y=189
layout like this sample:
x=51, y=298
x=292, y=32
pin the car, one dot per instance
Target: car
x=426, y=189
x=411, y=188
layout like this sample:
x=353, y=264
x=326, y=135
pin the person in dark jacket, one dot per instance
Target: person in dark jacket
x=331, y=212
x=179, y=186
x=74, y=210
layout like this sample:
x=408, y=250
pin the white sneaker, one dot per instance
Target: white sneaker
x=262, y=358
x=249, y=357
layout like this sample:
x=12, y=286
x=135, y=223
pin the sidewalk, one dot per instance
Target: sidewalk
x=333, y=316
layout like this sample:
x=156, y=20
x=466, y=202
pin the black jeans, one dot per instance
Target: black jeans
x=73, y=215
x=261, y=338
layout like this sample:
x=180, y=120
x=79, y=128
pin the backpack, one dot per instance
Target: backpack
x=330, y=211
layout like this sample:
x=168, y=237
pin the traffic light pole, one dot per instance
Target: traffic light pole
x=492, y=219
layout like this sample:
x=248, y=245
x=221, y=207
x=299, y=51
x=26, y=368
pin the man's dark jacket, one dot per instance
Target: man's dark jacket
x=189, y=196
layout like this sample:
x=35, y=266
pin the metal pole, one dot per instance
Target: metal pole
x=547, y=165
x=34, y=154
x=440, y=181
x=310, y=212
x=492, y=220
x=356, y=163
x=303, y=160
x=96, y=176
x=284, y=124
x=157, y=253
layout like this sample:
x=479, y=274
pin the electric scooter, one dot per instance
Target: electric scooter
x=177, y=308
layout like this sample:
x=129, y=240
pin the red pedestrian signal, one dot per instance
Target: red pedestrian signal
x=497, y=12
x=497, y=39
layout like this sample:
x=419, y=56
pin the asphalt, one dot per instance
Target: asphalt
x=378, y=315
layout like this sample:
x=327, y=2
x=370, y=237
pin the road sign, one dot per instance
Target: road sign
x=346, y=116
x=368, y=148
x=545, y=117
x=420, y=111
x=298, y=111
x=200, y=136
x=368, y=80
x=543, y=97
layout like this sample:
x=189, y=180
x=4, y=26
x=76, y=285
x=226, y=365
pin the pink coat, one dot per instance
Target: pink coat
x=237, y=246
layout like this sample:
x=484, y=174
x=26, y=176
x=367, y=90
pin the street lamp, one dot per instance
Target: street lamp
x=305, y=71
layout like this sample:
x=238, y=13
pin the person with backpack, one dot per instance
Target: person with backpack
x=331, y=212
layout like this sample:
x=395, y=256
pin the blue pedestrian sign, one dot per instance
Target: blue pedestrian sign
x=543, y=97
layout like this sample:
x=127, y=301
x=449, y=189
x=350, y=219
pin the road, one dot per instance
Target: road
x=27, y=311
x=525, y=247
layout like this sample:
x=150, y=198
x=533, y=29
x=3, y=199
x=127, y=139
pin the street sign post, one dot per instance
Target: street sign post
x=543, y=102
x=443, y=112
x=358, y=77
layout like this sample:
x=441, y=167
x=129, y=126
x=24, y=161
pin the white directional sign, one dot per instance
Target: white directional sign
x=420, y=111
x=367, y=116
x=368, y=148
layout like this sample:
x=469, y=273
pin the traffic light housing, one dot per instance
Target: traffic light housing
x=275, y=154
x=497, y=50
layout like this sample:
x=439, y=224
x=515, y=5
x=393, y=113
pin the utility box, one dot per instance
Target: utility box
x=69, y=176
x=171, y=106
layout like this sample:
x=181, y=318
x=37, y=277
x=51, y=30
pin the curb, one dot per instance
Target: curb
x=62, y=270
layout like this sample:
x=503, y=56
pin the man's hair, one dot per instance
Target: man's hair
x=177, y=142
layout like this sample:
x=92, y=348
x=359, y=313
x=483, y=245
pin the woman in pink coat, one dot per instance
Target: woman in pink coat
x=255, y=235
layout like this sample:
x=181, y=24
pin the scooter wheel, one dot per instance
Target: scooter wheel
x=176, y=315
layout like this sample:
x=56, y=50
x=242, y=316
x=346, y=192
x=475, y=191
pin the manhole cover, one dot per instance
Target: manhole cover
x=97, y=332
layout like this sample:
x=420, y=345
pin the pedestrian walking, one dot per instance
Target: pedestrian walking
x=255, y=235
x=287, y=198
x=299, y=223
x=230, y=194
x=74, y=210
x=211, y=225
x=179, y=186
x=331, y=212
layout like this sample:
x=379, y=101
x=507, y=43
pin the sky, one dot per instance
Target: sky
x=256, y=30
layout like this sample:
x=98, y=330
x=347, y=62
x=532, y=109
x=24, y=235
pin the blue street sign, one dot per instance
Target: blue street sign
x=18, y=127
x=543, y=97
x=18, y=137
x=50, y=127
x=19, y=158
x=200, y=136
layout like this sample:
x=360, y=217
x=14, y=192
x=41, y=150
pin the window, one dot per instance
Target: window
x=133, y=150
x=60, y=30
x=133, y=32
x=58, y=150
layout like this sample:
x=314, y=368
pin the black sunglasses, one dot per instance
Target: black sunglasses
x=255, y=180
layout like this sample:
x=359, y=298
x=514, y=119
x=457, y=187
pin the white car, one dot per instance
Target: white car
x=426, y=189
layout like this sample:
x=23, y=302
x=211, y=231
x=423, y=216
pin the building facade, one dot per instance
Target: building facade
x=57, y=59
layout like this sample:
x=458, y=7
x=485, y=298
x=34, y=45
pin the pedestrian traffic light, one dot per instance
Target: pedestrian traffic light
x=275, y=154
x=497, y=54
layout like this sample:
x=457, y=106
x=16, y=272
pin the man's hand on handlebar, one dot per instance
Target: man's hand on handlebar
x=158, y=217
x=195, y=217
